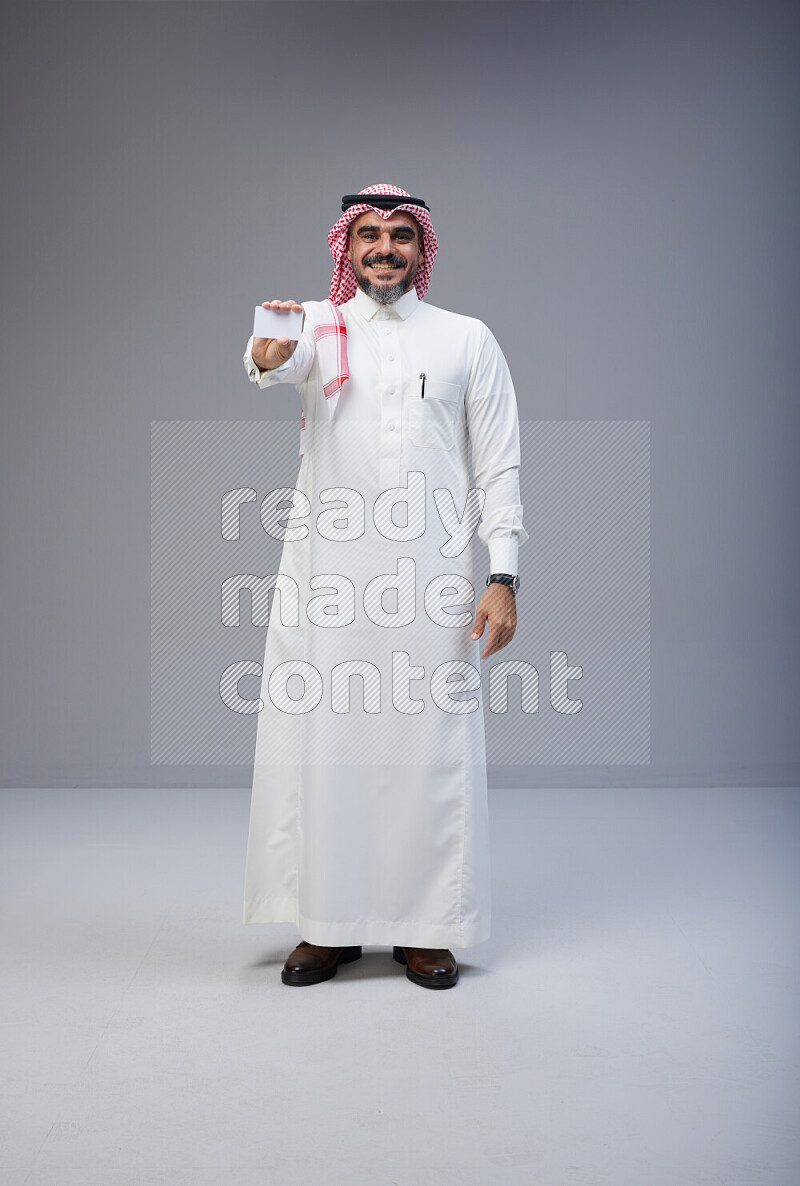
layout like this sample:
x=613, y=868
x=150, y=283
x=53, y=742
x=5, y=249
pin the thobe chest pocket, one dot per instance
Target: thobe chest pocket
x=433, y=419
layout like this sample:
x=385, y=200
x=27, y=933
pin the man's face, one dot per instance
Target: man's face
x=385, y=254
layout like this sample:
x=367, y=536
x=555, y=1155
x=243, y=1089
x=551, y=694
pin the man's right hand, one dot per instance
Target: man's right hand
x=269, y=353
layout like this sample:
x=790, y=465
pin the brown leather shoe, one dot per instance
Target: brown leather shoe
x=309, y=964
x=432, y=967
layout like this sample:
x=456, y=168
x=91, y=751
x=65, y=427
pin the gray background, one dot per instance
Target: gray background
x=615, y=194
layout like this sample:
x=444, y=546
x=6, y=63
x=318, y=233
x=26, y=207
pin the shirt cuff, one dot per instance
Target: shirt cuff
x=256, y=375
x=503, y=555
x=253, y=372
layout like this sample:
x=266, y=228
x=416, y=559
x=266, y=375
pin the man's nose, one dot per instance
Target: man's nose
x=385, y=244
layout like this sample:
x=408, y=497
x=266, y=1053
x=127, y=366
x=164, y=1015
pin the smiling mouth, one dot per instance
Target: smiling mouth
x=385, y=267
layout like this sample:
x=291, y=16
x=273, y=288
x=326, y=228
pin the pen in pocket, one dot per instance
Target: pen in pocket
x=422, y=377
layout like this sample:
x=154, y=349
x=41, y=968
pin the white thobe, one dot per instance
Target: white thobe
x=369, y=811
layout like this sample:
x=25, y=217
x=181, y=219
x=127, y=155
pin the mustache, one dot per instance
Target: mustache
x=395, y=260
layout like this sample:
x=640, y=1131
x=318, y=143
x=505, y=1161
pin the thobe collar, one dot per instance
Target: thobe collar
x=370, y=310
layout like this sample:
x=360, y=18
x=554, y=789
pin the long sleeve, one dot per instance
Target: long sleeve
x=493, y=425
x=295, y=370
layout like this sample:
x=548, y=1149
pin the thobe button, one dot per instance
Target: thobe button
x=391, y=358
x=390, y=427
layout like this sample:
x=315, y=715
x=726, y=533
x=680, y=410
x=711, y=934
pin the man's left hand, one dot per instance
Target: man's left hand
x=499, y=606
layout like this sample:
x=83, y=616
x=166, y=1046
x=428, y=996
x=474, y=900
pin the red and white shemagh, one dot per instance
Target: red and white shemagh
x=331, y=335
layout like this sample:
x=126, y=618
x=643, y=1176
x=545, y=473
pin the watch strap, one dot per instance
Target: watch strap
x=503, y=578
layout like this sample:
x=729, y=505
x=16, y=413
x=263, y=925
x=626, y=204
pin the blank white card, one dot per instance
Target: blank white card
x=278, y=323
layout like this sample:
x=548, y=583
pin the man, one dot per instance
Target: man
x=369, y=815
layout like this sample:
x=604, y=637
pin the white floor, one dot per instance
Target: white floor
x=632, y=1022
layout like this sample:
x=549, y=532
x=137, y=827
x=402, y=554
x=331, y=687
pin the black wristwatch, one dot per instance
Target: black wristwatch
x=503, y=578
